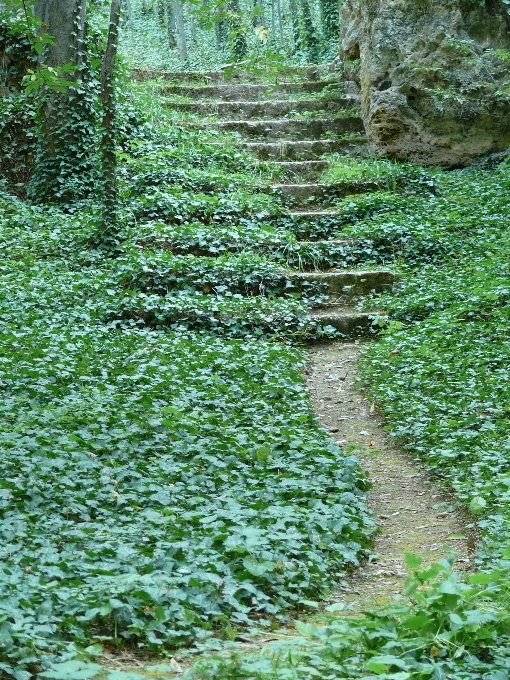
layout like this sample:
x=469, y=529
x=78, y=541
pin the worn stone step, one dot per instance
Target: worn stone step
x=320, y=194
x=303, y=149
x=250, y=91
x=285, y=127
x=305, y=170
x=348, y=321
x=225, y=75
x=262, y=109
x=344, y=285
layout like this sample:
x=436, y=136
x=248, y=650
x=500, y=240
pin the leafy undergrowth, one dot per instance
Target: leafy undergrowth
x=440, y=628
x=163, y=479
x=440, y=375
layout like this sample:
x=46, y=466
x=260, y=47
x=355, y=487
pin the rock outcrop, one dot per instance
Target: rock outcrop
x=434, y=76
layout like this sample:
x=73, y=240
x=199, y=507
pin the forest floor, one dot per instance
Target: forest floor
x=206, y=464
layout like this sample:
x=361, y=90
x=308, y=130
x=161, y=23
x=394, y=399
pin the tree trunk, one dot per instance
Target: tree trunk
x=193, y=29
x=62, y=155
x=262, y=13
x=330, y=10
x=273, y=20
x=238, y=44
x=170, y=25
x=280, y=21
x=296, y=29
x=311, y=43
x=179, y=19
x=108, y=152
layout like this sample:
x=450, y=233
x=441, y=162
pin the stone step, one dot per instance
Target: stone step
x=251, y=91
x=320, y=194
x=225, y=75
x=329, y=242
x=344, y=285
x=305, y=170
x=285, y=127
x=262, y=109
x=348, y=321
x=303, y=149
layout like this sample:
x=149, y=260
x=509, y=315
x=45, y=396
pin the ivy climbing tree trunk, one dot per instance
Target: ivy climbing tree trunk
x=66, y=118
x=238, y=46
x=280, y=21
x=108, y=151
x=179, y=20
x=311, y=42
x=170, y=25
x=330, y=10
x=296, y=29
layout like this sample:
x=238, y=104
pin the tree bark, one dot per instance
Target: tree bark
x=179, y=19
x=60, y=155
x=330, y=11
x=160, y=12
x=311, y=42
x=296, y=29
x=170, y=25
x=108, y=151
x=280, y=21
x=262, y=13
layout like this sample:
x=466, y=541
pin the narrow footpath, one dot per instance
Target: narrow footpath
x=413, y=514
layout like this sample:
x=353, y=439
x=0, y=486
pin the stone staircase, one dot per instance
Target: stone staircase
x=293, y=124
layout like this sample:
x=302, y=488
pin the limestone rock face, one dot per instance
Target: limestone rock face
x=434, y=76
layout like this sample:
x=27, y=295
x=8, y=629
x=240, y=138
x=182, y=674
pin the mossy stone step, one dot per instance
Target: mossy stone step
x=223, y=75
x=251, y=91
x=305, y=170
x=343, y=285
x=348, y=321
x=285, y=127
x=262, y=109
x=305, y=149
x=320, y=194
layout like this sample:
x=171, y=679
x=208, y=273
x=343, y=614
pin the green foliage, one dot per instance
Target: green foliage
x=227, y=31
x=449, y=629
x=164, y=479
x=445, y=384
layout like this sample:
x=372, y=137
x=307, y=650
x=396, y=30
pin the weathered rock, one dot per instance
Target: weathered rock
x=431, y=74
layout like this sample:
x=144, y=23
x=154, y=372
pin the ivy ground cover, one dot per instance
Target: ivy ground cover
x=157, y=485
x=440, y=375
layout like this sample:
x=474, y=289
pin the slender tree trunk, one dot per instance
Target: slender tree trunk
x=296, y=29
x=193, y=28
x=108, y=151
x=128, y=11
x=273, y=19
x=179, y=20
x=160, y=12
x=262, y=13
x=170, y=25
x=238, y=46
x=280, y=21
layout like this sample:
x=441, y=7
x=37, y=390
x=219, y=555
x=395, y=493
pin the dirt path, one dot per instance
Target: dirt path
x=414, y=516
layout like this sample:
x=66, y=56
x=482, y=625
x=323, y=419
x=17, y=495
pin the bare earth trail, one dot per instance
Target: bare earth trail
x=413, y=514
